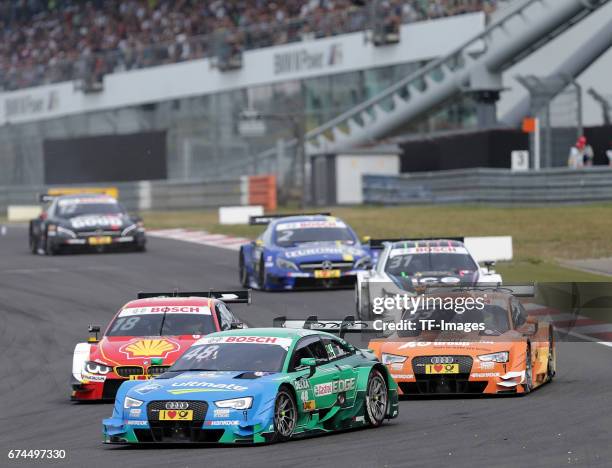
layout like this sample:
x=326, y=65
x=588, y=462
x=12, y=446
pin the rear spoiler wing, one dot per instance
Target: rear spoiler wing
x=379, y=243
x=239, y=296
x=53, y=193
x=347, y=325
x=267, y=219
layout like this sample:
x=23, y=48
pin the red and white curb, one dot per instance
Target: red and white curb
x=583, y=328
x=200, y=237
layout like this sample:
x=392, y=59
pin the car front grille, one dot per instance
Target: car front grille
x=312, y=266
x=157, y=370
x=127, y=371
x=179, y=431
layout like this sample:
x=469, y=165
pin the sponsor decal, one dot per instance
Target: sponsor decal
x=402, y=376
x=309, y=405
x=221, y=412
x=209, y=386
x=428, y=250
x=131, y=311
x=222, y=423
x=137, y=423
x=336, y=386
x=359, y=419
x=441, y=368
x=147, y=388
x=480, y=375
x=96, y=221
x=159, y=348
x=310, y=225
x=424, y=344
x=135, y=412
x=87, y=377
x=397, y=366
x=314, y=251
x=175, y=415
x=486, y=365
x=301, y=384
x=268, y=340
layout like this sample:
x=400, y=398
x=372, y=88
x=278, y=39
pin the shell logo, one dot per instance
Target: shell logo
x=149, y=348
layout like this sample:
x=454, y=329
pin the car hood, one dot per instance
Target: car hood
x=138, y=351
x=323, y=251
x=203, y=385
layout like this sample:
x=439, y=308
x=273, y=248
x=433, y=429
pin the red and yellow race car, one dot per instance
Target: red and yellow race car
x=146, y=336
x=496, y=349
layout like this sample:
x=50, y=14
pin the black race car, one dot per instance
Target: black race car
x=84, y=221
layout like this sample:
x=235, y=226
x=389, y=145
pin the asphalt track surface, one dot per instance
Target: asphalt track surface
x=46, y=304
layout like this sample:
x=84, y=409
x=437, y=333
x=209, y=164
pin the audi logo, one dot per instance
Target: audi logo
x=327, y=265
x=441, y=360
x=177, y=405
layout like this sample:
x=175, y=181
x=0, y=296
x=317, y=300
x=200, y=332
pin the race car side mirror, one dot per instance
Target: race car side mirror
x=93, y=329
x=311, y=363
x=489, y=265
x=237, y=326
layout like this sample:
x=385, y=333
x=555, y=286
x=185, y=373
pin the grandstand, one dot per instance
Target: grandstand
x=346, y=73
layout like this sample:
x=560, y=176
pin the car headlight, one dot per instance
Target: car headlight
x=495, y=357
x=235, y=403
x=286, y=264
x=131, y=403
x=66, y=232
x=97, y=368
x=364, y=263
x=393, y=359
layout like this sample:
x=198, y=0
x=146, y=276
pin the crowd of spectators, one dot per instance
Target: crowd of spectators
x=46, y=41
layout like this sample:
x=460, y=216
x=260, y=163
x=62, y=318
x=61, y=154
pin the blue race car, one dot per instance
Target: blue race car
x=302, y=251
x=255, y=386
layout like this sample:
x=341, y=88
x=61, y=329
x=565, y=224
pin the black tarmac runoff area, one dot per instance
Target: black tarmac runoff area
x=46, y=304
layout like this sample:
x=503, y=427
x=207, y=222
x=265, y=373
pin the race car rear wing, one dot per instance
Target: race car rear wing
x=239, y=296
x=341, y=327
x=267, y=219
x=53, y=193
x=380, y=243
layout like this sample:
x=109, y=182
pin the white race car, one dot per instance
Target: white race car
x=403, y=265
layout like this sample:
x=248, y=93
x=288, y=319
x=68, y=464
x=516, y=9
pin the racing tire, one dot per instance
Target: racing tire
x=550, y=365
x=262, y=279
x=33, y=244
x=243, y=276
x=285, y=415
x=376, y=399
x=528, y=385
x=49, y=248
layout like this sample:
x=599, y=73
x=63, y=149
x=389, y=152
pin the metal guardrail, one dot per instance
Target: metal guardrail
x=147, y=195
x=491, y=186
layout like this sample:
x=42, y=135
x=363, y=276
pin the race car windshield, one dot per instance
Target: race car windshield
x=71, y=210
x=412, y=264
x=494, y=317
x=246, y=357
x=290, y=237
x=162, y=325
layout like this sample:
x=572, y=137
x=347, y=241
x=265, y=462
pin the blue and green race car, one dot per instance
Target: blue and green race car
x=255, y=386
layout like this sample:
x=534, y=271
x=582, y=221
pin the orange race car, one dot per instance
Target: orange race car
x=493, y=349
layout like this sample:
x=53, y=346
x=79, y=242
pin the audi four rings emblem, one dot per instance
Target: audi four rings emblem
x=441, y=360
x=327, y=265
x=177, y=405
